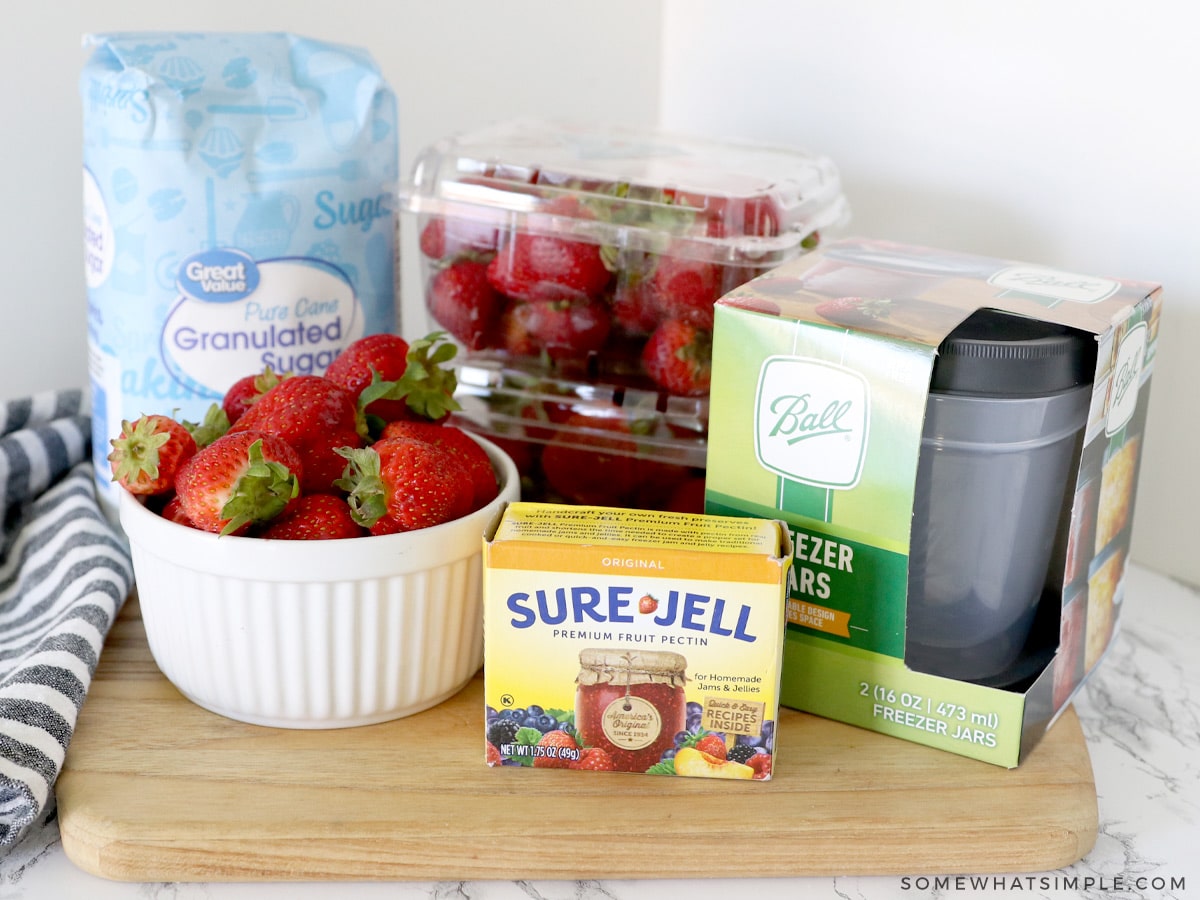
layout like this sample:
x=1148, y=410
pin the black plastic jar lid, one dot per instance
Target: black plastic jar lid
x=993, y=352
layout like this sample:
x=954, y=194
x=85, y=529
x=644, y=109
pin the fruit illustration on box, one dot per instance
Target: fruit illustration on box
x=695, y=762
x=547, y=738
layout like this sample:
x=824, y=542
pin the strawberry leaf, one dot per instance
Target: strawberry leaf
x=366, y=491
x=136, y=451
x=528, y=736
x=262, y=493
x=426, y=386
x=213, y=426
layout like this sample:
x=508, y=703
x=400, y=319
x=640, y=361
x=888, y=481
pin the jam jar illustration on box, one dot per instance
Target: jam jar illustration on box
x=632, y=703
x=239, y=212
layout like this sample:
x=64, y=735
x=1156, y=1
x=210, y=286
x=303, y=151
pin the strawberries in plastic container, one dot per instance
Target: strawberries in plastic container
x=579, y=267
x=591, y=237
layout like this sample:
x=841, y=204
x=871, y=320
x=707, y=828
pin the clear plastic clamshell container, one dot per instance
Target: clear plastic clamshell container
x=589, y=444
x=590, y=258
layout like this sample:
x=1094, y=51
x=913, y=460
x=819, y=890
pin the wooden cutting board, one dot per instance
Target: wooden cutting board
x=158, y=789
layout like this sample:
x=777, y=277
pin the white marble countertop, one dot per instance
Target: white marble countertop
x=1140, y=713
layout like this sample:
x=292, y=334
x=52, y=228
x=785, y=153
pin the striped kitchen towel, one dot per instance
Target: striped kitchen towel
x=64, y=574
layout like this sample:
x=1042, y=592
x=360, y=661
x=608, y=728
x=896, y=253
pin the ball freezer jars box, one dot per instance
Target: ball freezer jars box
x=954, y=443
x=239, y=199
x=633, y=640
x=578, y=268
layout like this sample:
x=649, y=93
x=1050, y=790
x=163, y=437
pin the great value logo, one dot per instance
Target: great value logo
x=811, y=420
x=1126, y=379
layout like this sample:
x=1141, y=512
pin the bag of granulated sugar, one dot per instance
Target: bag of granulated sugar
x=239, y=199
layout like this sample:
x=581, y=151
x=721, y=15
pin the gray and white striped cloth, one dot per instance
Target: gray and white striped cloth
x=64, y=574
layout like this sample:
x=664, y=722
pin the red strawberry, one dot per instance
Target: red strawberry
x=523, y=453
x=565, y=329
x=443, y=239
x=492, y=754
x=456, y=442
x=513, y=333
x=549, y=413
x=314, y=517
x=592, y=461
x=173, y=512
x=647, y=605
x=713, y=745
x=634, y=310
x=243, y=392
x=657, y=481
x=678, y=357
x=687, y=496
x=238, y=480
x=463, y=302
x=687, y=289
x=736, y=217
x=433, y=239
x=386, y=525
x=761, y=764
x=385, y=355
x=595, y=759
x=566, y=753
x=854, y=311
x=536, y=266
x=148, y=453
x=426, y=387
x=401, y=484
x=315, y=416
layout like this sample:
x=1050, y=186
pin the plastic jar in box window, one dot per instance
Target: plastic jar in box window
x=631, y=703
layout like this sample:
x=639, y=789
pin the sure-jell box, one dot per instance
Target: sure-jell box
x=626, y=640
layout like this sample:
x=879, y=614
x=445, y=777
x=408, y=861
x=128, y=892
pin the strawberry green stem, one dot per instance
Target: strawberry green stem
x=262, y=493
x=366, y=491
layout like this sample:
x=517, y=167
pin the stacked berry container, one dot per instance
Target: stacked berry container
x=577, y=268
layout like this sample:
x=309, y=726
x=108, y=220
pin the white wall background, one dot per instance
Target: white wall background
x=1060, y=132
x=1065, y=133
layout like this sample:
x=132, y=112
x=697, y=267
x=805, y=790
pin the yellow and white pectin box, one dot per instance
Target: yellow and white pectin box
x=633, y=640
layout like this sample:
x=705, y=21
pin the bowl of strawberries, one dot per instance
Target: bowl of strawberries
x=310, y=555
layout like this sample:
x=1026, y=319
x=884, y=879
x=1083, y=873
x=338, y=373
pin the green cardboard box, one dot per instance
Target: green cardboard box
x=821, y=375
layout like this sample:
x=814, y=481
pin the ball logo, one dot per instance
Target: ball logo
x=1054, y=285
x=1126, y=379
x=811, y=421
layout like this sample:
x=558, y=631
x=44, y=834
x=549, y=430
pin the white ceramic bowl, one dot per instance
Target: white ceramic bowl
x=315, y=634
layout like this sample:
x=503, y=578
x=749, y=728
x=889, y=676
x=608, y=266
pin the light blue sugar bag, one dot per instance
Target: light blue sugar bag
x=239, y=195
